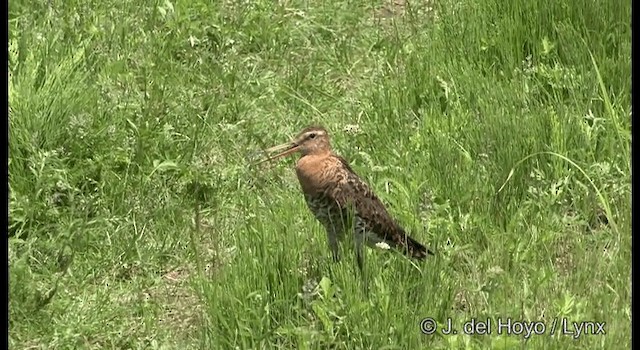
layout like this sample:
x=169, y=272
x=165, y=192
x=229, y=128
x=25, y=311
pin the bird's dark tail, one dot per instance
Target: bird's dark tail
x=411, y=247
x=416, y=250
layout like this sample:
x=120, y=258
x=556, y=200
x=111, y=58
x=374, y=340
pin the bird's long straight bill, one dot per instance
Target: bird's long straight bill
x=287, y=147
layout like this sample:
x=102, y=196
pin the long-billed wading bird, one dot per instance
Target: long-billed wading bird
x=340, y=200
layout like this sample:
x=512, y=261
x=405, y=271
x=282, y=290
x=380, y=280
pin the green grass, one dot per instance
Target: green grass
x=497, y=132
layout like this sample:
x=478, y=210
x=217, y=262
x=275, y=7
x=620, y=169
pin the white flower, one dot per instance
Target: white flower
x=383, y=245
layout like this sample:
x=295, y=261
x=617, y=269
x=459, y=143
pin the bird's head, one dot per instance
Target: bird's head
x=313, y=140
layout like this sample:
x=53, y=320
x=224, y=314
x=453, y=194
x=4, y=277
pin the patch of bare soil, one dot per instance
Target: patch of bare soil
x=182, y=309
x=396, y=9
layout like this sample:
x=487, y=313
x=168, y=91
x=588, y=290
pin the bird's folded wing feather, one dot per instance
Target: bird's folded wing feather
x=353, y=192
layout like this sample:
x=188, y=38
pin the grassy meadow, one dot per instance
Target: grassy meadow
x=497, y=132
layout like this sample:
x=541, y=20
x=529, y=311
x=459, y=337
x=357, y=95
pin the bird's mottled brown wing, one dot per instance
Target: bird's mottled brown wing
x=352, y=191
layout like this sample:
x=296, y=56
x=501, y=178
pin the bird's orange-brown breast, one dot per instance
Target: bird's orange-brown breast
x=313, y=173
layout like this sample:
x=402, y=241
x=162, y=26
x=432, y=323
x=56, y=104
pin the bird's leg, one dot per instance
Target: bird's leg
x=354, y=226
x=359, y=253
x=333, y=245
x=359, y=240
x=332, y=238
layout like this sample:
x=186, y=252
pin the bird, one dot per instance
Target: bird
x=340, y=200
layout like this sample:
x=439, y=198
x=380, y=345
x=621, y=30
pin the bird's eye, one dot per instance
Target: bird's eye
x=312, y=135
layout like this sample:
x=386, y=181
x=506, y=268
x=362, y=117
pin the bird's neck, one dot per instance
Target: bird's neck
x=311, y=169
